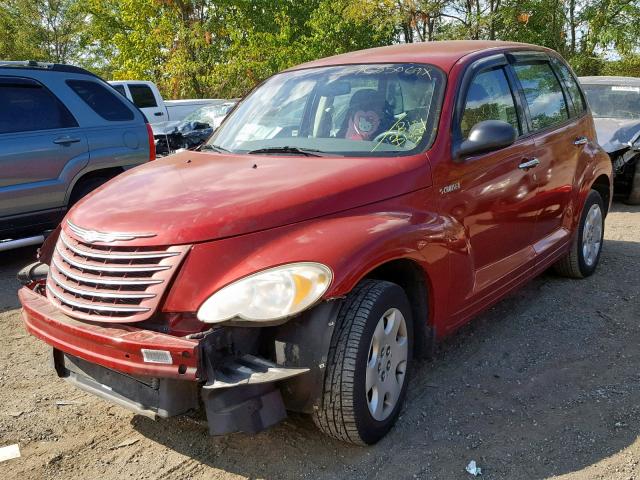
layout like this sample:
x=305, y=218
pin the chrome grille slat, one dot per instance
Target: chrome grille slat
x=115, y=282
x=94, y=306
x=107, y=268
x=116, y=256
x=89, y=293
x=104, y=281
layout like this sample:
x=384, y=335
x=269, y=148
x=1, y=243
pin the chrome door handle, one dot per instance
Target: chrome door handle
x=534, y=162
x=581, y=141
x=66, y=140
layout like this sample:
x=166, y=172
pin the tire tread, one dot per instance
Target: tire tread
x=335, y=415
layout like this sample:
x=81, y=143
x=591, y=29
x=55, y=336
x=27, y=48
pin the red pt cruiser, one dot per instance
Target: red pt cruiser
x=349, y=213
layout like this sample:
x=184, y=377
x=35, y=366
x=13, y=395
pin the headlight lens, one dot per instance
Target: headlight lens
x=268, y=295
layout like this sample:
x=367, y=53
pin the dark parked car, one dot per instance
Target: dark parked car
x=194, y=130
x=615, y=104
x=63, y=133
x=348, y=213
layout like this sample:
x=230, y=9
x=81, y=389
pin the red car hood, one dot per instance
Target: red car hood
x=193, y=196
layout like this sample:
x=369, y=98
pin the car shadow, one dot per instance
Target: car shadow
x=11, y=262
x=622, y=207
x=544, y=383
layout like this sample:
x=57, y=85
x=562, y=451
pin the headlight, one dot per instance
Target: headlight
x=268, y=295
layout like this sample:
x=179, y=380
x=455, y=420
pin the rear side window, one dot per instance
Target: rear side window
x=489, y=98
x=142, y=96
x=569, y=80
x=27, y=105
x=102, y=100
x=120, y=90
x=544, y=95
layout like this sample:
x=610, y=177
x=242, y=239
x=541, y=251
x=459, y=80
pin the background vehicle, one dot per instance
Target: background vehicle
x=146, y=96
x=63, y=133
x=311, y=250
x=194, y=130
x=615, y=103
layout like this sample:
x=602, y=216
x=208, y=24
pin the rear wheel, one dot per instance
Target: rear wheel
x=583, y=258
x=368, y=364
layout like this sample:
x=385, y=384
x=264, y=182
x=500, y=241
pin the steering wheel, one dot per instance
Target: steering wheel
x=393, y=137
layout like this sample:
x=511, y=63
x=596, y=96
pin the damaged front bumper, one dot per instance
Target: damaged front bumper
x=160, y=375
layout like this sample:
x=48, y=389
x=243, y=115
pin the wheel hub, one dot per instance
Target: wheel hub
x=592, y=235
x=386, y=364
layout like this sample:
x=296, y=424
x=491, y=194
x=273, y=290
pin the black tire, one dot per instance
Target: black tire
x=573, y=264
x=344, y=412
x=85, y=187
x=634, y=194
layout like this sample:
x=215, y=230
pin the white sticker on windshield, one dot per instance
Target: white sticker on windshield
x=620, y=88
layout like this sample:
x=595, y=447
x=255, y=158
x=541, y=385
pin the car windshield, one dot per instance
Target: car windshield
x=354, y=110
x=614, y=101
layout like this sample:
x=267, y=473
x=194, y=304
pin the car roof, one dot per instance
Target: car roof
x=52, y=67
x=120, y=82
x=603, y=80
x=443, y=54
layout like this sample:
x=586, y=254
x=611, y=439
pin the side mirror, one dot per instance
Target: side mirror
x=486, y=137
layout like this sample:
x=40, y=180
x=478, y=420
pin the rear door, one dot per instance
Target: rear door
x=39, y=140
x=144, y=97
x=559, y=139
x=115, y=129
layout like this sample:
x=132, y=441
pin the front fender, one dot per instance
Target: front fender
x=352, y=244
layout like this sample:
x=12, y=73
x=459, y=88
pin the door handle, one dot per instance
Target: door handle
x=158, y=114
x=526, y=165
x=581, y=141
x=66, y=140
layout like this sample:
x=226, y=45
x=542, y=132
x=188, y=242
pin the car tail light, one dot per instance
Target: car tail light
x=152, y=143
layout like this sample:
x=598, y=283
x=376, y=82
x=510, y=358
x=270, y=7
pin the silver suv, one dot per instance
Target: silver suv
x=63, y=133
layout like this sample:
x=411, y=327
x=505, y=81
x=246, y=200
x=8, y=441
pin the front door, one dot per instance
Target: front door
x=490, y=197
x=143, y=97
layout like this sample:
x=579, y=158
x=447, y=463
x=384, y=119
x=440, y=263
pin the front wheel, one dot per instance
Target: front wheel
x=583, y=258
x=368, y=364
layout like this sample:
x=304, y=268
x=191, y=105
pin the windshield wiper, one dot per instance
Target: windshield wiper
x=307, y=152
x=215, y=148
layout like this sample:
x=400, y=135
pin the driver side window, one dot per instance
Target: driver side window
x=489, y=97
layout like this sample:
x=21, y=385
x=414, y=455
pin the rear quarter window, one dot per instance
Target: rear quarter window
x=120, y=90
x=102, y=100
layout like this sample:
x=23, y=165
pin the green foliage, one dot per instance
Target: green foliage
x=628, y=66
x=223, y=48
x=47, y=30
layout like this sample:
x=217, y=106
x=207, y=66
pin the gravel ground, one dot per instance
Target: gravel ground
x=544, y=385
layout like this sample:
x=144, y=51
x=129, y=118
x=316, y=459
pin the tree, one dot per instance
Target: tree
x=223, y=48
x=47, y=30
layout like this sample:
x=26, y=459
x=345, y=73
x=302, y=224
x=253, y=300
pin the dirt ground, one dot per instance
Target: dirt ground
x=546, y=384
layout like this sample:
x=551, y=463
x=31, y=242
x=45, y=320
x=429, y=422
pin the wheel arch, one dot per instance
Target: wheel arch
x=87, y=176
x=602, y=185
x=415, y=281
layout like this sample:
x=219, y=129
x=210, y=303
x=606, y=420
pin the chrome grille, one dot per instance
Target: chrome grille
x=109, y=283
